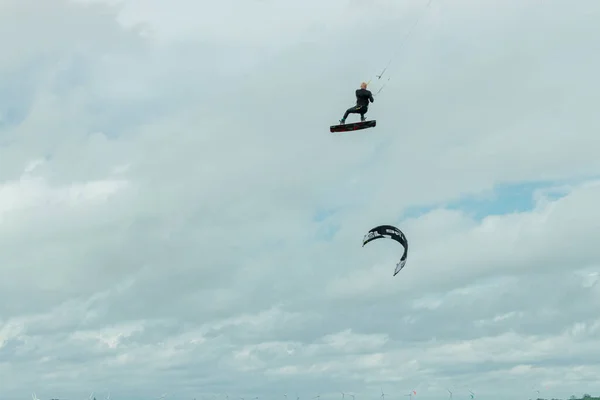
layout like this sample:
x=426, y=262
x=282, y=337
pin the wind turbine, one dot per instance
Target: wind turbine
x=537, y=391
x=352, y=396
x=472, y=394
x=34, y=397
x=450, y=393
x=108, y=396
x=382, y=394
x=318, y=397
x=343, y=395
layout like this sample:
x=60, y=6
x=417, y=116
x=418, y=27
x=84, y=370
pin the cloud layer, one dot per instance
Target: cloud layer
x=175, y=217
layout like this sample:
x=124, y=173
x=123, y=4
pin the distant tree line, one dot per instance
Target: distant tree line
x=59, y=399
x=585, y=397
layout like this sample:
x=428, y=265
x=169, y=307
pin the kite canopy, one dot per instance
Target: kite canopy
x=391, y=232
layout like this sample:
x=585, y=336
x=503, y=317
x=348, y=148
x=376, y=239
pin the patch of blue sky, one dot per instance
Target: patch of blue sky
x=327, y=226
x=323, y=214
x=327, y=231
x=17, y=90
x=503, y=199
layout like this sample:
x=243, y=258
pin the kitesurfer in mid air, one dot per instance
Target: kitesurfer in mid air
x=363, y=97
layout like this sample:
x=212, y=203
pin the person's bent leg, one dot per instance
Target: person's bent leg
x=363, y=112
x=351, y=110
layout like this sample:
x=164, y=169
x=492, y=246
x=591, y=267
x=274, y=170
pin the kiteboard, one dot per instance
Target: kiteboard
x=356, y=126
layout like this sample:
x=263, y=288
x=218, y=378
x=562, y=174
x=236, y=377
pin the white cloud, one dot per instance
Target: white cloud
x=175, y=217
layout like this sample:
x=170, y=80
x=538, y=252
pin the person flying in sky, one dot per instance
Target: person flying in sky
x=363, y=97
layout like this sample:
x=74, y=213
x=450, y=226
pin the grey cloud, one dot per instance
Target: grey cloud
x=168, y=241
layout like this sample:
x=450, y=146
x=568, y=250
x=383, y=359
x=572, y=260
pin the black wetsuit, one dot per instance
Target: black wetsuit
x=363, y=97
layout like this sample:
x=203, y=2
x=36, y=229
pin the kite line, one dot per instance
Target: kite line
x=406, y=37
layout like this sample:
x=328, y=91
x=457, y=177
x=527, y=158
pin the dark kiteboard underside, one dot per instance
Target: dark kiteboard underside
x=356, y=126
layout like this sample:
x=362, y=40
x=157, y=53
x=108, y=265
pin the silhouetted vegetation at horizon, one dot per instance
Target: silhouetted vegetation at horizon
x=585, y=397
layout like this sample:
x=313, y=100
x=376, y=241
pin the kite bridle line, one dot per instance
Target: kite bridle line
x=380, y=89
x=404, y=40
x=400, y=48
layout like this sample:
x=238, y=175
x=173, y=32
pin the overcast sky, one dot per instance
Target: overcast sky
x=176, y=218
